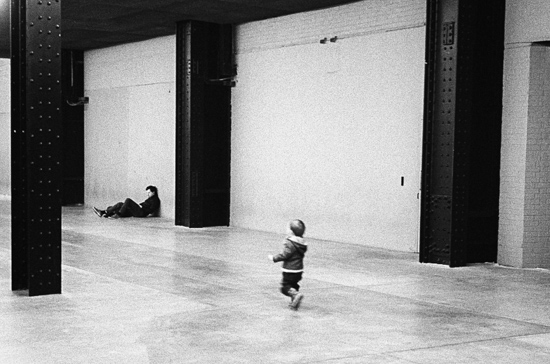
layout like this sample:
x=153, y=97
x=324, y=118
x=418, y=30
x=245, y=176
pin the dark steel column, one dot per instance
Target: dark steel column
x=439, y=216
x=203, y=117
x=462, y=119
x=36, y=145
x=191, y=69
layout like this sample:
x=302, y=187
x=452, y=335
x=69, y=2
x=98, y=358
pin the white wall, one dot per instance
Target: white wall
x=513, y=155
x=130, y=122
x=524, y=227
x=524, y=224
x=527, y=21
x=5, y=128
x=325, y=132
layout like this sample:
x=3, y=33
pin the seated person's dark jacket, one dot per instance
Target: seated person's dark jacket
x=150, y=205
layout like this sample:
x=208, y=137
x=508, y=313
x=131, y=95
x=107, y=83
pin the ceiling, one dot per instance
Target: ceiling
x=91, y=24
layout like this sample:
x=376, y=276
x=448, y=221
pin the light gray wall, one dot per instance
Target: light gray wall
x=130, y=122
x=325, y=132
x=5, y=128
x=527, y=21
x=524, y=221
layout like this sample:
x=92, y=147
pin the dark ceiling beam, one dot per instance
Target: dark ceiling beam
x=92, y=24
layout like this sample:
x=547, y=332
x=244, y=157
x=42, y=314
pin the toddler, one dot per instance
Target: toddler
x=293, y=262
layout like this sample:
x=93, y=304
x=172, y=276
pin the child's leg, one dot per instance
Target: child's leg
x=296, y=296
x=296, y=286
x=290, y=280
x=286, y=284
x=290, y=288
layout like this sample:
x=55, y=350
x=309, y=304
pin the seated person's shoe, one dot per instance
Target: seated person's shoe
x=98, y=212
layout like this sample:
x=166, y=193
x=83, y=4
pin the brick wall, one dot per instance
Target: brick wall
x=524, y=230
x=513, y=155
x=537, y=174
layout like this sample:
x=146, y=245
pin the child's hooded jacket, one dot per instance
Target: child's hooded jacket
x=292, y=255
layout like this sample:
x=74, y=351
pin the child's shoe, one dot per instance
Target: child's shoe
x=296, y=299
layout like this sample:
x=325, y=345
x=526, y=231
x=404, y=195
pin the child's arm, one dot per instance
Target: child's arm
x=287, y=252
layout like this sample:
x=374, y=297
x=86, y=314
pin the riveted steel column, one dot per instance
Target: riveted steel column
x=191, y=60
x=36, y=145
x=204, y=75
x=442, y=212
x=459, y=123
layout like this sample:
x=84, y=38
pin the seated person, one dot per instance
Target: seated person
x=130, y=208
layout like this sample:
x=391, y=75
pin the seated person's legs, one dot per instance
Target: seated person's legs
x=111, y=210
x=130, y=208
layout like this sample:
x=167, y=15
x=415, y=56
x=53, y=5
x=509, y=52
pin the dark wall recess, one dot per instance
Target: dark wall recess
x=73, y=126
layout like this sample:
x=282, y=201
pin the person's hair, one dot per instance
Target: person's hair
x=152, y=189
x=298, y=227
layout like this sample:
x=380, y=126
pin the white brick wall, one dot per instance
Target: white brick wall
x=357, y=19
x=524, y=232
x=513, y=155
x=537, y=179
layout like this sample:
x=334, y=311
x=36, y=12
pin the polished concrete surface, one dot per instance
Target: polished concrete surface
x=146, y=291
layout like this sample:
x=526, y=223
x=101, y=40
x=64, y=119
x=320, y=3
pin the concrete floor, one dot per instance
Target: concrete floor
x=145, y=291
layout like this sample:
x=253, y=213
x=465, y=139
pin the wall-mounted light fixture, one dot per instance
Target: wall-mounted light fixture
x=226, y=81
x=80, y=101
